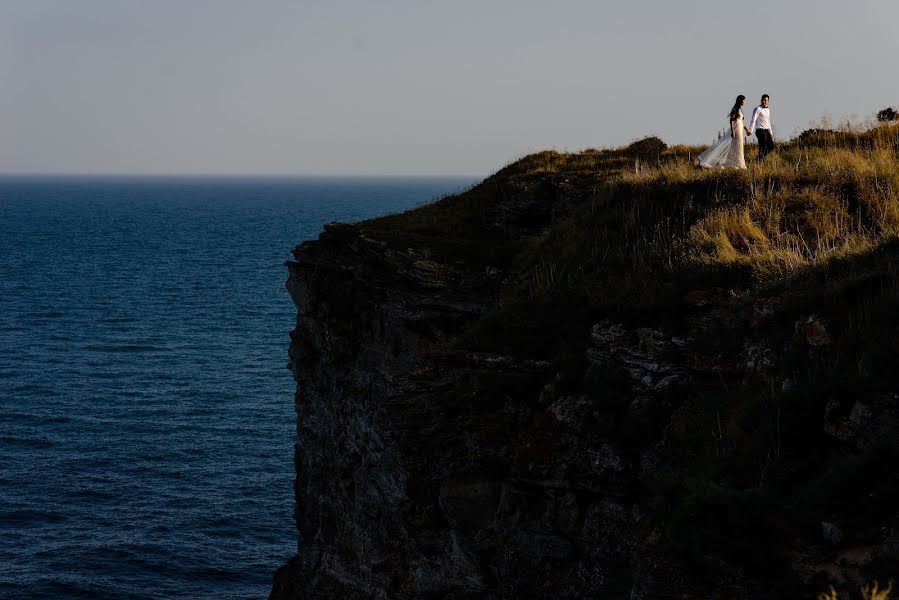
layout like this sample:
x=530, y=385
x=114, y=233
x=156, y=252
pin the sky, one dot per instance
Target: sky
x=419, y=87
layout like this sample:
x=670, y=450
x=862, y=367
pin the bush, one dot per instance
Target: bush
x=888, y=114
x=825, y=138
x=647, y=148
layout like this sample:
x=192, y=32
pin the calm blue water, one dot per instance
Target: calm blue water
x=146, y=414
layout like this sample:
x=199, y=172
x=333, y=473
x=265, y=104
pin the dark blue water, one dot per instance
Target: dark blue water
x=146, y=414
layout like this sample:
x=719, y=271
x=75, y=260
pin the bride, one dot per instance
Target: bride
x=728, y=151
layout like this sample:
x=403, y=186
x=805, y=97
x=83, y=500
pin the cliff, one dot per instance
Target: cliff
x=606, y=374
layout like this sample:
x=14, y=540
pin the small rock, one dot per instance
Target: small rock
x=831, y=533
x=605, y=459
x=814, y=331
x=761, y=311
x=860, y=415
x=570, y=409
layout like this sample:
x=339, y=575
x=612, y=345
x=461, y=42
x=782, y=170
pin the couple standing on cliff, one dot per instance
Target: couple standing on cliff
x=728, y=151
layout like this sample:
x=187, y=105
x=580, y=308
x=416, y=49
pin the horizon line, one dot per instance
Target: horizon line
x=242, y=175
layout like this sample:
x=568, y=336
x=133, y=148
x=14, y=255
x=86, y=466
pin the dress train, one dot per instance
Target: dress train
x=728, y=152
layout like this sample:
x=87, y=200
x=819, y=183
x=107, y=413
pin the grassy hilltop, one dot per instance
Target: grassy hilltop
x=798, y=254
x=647, y=225
x=824, y=209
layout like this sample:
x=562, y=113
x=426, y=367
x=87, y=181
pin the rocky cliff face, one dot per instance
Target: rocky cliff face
x=427, y=468
x=367, y=316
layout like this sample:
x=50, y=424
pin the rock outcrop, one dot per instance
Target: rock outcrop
x=428, y=469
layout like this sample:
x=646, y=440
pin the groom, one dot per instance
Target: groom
x=761, y=124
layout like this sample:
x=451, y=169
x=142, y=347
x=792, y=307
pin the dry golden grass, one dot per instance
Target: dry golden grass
x=643, y=224
x=825, y=195
x=868, y=591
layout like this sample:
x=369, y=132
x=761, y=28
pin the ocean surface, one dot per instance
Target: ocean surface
x=146, y=412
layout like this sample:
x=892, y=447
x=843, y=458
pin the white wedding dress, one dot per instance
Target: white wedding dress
x=728, y=151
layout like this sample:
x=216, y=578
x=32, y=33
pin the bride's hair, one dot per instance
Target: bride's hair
x=735, y=111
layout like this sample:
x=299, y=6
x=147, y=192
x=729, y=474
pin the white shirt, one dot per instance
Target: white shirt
x=761, y=118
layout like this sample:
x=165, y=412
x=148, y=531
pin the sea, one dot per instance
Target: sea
x=147, y=422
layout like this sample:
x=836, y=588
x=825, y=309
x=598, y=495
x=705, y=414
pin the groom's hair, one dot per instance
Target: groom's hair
x=764, y=96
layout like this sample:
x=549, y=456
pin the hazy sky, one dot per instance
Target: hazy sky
x=414, y=87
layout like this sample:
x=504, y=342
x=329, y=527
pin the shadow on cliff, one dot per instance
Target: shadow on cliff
x=607, y=374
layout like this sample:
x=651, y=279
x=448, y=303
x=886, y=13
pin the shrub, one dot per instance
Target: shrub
x=826, y=138
x=647, y=148
x=888, y=114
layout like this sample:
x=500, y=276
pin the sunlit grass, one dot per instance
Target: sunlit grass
x=833, y=194
x=869, y=591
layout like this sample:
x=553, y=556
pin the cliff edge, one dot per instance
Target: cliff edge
x=606, y=374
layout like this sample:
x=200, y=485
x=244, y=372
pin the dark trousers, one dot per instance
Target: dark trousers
x=766, y=142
